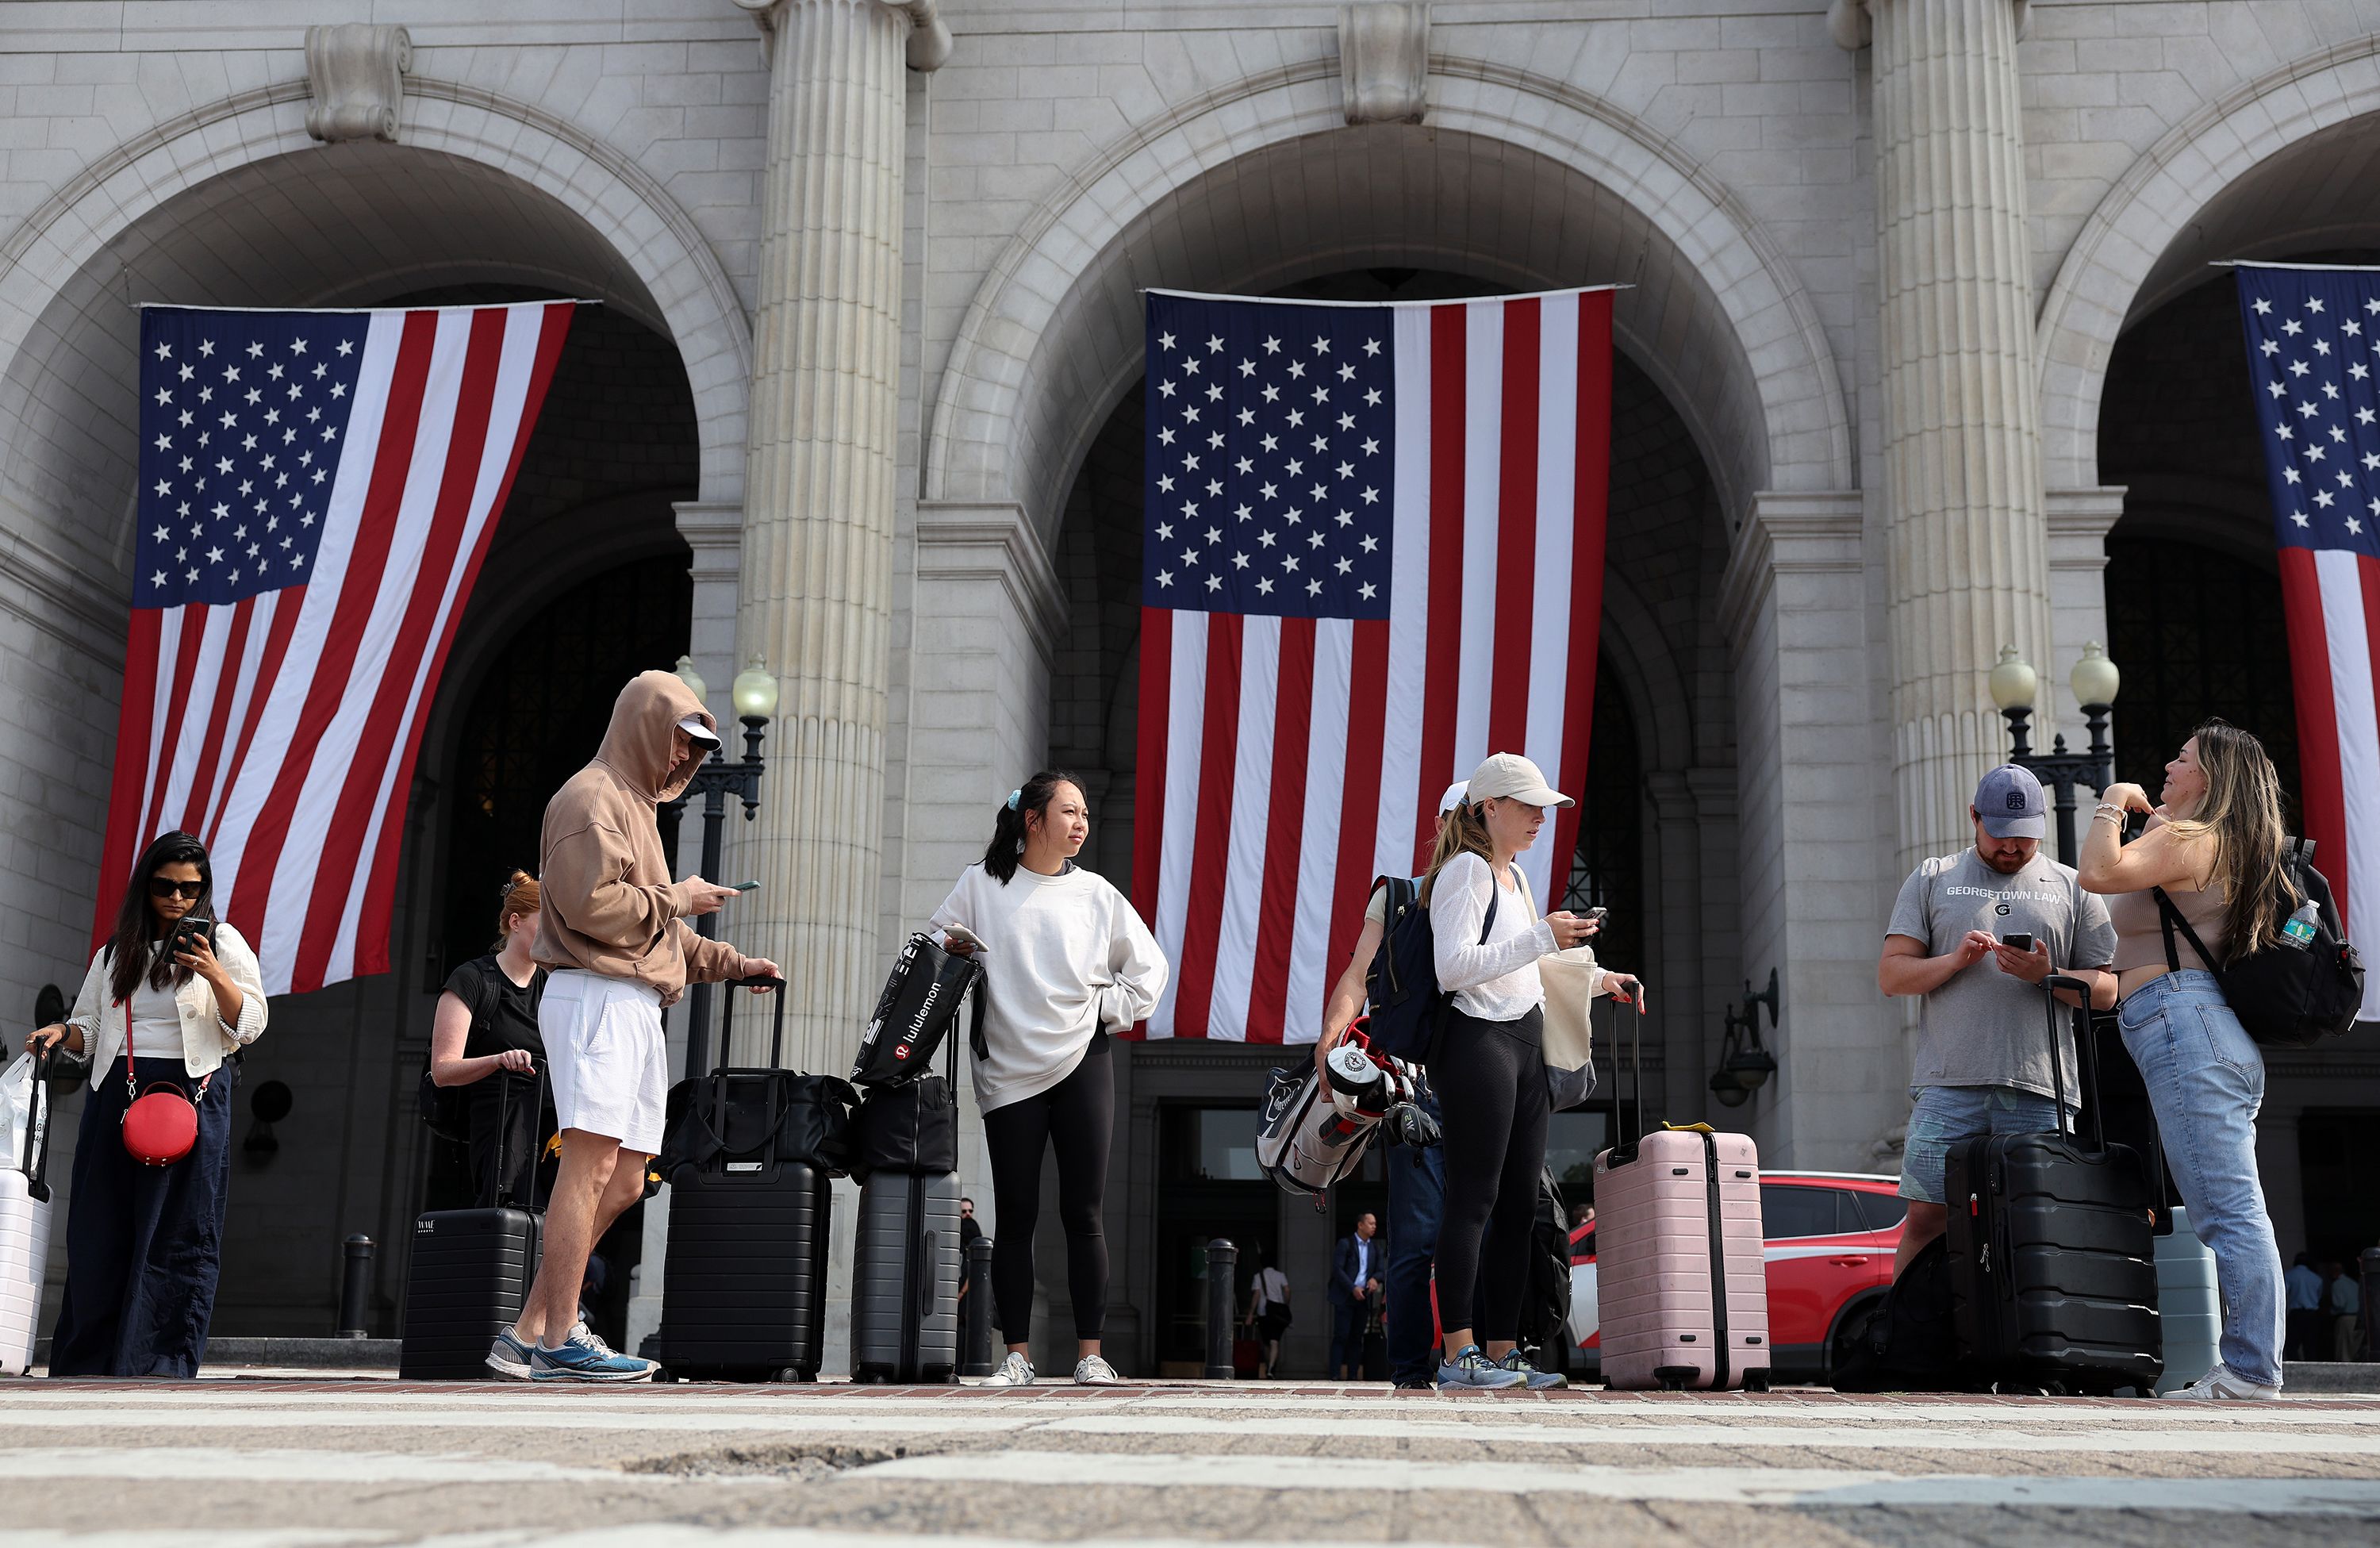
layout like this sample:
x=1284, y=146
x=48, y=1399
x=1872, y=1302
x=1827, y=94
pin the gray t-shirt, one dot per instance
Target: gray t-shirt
x=1983, y=1026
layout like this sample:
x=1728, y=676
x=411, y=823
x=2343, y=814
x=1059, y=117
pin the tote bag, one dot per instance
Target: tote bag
x=1571, y=979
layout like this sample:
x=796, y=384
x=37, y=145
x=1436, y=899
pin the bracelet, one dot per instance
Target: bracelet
x=2110, y=810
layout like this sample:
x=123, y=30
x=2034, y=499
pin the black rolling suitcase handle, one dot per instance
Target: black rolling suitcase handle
x=504, y=1130
x=2085, y=1057
x=715, y=1129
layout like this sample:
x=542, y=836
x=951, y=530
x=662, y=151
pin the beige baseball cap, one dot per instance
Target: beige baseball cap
x=1508, y=774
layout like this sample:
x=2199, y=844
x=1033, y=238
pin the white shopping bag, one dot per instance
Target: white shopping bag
x=17, y=1103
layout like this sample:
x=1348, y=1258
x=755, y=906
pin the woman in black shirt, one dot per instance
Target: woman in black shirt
x=487, y=1025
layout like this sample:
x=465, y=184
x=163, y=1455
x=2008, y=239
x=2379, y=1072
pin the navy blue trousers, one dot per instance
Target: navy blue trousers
x=144, y=1243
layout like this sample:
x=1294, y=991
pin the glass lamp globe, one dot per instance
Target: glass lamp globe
x=2094, y=679
x=693, y=679
x=2012, y=681
x=756, y=691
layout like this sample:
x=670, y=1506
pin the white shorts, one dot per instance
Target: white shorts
x=609, y=1064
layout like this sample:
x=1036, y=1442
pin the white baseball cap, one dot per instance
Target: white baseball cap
x=698, y=734
x=1452, y=798
x=1508, y=774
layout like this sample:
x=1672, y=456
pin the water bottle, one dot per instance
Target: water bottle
x=2299, y=930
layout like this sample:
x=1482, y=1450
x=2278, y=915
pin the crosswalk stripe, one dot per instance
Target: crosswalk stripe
x=1802, y=1487
x=280, y=1465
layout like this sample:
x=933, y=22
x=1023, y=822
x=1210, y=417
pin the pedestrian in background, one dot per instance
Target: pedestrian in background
x=1269, y=1312
x=613, y=934
x=2303, y=1285
x=2214, y=846
x=165, y=1002
x=1355, y=1267
x=484, y=1038
x=2345, y=1304
x=1067, y=965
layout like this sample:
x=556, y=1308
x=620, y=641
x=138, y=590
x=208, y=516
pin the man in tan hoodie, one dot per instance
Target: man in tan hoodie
x=612, y=929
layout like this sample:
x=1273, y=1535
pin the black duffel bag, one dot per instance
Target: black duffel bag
x=749, y=1119
x=915, y=1013
x=911, y=1128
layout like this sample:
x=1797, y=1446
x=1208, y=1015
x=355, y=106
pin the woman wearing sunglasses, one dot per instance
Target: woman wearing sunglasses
x=166, y=1000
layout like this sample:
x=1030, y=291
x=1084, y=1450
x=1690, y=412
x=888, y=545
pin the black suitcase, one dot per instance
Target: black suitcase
x=904, y=1279
x=744, y=1287
x=2052, y=1255
x=467, y=1278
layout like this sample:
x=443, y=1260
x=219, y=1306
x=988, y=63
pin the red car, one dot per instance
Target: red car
x=1831, y=1237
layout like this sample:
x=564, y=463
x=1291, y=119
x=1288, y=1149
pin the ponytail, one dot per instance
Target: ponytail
x=1008, y=826
x=1461, y=832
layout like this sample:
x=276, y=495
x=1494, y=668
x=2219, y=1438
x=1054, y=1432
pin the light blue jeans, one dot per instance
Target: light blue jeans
x=2206, y=1080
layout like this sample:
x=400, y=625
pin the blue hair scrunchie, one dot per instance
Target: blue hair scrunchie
x=1013, y=796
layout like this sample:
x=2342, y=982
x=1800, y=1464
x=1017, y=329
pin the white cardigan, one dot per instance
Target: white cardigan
x=206, y=1037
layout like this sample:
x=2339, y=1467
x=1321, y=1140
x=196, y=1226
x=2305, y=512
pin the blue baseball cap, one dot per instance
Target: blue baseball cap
x=2012, y=804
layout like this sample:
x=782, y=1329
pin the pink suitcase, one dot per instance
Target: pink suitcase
x=1677, y=1228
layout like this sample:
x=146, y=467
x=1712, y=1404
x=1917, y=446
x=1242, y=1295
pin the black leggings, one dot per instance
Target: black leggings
x=1077, y=1117
x=1490, y=1080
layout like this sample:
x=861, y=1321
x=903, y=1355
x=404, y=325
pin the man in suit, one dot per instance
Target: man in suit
x=1355, y=1271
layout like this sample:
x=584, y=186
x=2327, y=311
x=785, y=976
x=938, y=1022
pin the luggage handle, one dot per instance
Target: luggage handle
x=2087, y=1074
x=717, y=1132
x=504, y=1130
x=1623, y=1140
x=35, y=1162
x=926, y=1279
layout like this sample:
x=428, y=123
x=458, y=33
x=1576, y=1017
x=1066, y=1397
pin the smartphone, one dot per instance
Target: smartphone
x=1598, y=913
x=187, y=930
x=2021, y=941
x=746, y=886
x=961, y=934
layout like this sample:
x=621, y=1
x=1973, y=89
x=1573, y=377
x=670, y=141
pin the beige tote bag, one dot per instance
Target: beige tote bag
x=1572, y=978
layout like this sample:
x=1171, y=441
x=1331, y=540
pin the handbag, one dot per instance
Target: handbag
x=912, y=1128
x=1571, y=979
x=162, y=1123
x=917, y=1010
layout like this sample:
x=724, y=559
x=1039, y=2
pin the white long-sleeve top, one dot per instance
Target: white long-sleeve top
x=1495, y=979
x=1065, y=957
x=206, y=1037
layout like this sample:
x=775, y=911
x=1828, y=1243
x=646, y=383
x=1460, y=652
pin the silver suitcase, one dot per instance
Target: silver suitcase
x=904, y=1279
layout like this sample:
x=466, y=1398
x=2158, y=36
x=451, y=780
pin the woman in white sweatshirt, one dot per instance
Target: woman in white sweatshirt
x=1067, y=963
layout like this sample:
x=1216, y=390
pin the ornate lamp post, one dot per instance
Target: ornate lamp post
x=1745, y=1062
x=755, y=693
x=2094, y=681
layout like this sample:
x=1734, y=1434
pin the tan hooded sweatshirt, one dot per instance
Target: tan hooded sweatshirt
x=609, y=905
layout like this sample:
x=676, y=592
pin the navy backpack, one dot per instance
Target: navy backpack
x=1401, y=984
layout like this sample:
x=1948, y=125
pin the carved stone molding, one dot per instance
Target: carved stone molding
x=356, y=71
x=928, y=48
x=1384, y=60
x=1849, y=23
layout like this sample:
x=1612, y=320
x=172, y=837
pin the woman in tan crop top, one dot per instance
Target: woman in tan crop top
x=2214, y=846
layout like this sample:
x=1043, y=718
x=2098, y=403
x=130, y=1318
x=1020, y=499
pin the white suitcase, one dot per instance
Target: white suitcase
x=25, y=1232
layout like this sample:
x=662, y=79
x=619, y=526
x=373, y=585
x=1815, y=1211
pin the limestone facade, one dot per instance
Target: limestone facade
x=1881, y=255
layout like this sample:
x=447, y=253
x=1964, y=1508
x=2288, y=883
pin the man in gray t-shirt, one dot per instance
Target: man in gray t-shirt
x=1974, y=934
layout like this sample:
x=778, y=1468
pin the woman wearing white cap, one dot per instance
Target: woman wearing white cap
x=1488, y=1062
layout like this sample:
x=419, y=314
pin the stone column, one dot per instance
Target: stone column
x=815, y=598
x=1965, y=535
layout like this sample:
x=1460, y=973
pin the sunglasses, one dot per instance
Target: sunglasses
x=160, y=887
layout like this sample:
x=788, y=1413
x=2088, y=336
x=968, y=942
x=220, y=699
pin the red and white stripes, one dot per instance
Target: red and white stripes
x=281, y=729
x=1283, y=763
x=2331, y=597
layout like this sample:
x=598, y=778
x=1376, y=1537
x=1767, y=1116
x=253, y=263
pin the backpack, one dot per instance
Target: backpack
x=1907, y=1343
x=2286, y=995
x=1401, y=984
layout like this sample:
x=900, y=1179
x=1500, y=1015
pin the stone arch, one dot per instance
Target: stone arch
x=1527, y=180
x=664, y=271
x=2132, y=253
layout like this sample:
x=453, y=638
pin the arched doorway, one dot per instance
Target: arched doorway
x=619, y=440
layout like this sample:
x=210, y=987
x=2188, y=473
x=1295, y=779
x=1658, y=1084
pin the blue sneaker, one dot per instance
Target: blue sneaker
x=509, y=1358
x=584, y=1358
x=1539, y=1381
x=1469, y=1368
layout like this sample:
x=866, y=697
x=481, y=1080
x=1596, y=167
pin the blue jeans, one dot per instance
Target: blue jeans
x=1416, y=1201
x=2206, y=1080
x=1945, y=1115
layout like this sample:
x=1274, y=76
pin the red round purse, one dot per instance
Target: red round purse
x=162, y=1123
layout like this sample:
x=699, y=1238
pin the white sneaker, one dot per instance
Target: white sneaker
x=1014, y=1371
x=1093, y=1371
x=2223, y=1384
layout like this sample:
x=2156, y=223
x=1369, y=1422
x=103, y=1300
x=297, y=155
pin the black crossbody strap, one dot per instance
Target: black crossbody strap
x=2169, y=918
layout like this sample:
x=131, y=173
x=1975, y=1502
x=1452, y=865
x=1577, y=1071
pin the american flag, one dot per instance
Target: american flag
x=2314, y=357
x=317, y=489
x=1373, y=555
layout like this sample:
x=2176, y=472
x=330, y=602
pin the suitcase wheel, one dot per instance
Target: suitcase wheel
x=1673, y=1378
x=789, y=1374
x=1755, y=1381
x=664, y=1373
